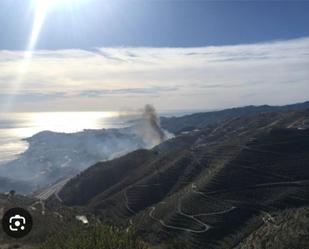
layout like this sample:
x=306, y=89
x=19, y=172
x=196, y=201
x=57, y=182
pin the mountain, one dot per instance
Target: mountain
x=215, y=186
x=199, y=120
x=53, y=156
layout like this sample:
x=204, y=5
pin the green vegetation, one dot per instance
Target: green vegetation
x=95, y=237
x=206, y=188
x=289, y=230
x=242, y=184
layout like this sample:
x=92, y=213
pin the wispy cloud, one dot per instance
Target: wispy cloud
x=171, y=78
x=21, y=98
x=126, y=91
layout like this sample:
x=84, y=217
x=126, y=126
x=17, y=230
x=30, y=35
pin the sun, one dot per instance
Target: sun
x=40, y=10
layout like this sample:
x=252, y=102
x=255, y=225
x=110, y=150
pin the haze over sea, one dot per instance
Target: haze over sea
x=14, y=127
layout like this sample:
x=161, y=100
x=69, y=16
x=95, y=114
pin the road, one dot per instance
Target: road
x=52, y=190
x=126, y=198
x=205, y=229
x=205, y=226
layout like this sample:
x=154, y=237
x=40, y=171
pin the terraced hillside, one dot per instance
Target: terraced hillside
x=214, y=187
x=199, y=120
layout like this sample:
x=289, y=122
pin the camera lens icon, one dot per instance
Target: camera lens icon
x=17, y=222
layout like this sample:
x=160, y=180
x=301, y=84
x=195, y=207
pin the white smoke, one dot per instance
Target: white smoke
x=53, y=156
x=149, y=128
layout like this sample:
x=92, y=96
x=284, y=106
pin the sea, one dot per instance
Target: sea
x=15, y=127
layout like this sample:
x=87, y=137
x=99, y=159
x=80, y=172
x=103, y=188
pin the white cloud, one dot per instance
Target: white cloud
x=171, y=78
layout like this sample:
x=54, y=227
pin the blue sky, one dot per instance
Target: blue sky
x=100, y=55
x=101, y=23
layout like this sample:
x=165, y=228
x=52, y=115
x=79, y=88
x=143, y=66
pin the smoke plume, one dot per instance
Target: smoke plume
x=150, y=128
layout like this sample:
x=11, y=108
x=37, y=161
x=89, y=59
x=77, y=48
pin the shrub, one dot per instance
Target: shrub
x=95, y=237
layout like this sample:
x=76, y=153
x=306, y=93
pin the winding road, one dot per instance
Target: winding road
x=205, y=226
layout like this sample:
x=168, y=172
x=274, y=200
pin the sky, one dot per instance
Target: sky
x=101, y=55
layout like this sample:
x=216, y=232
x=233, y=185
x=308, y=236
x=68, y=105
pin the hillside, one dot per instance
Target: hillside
x=212, y=187
x=200, y=120
x=57, y=226
x=56, y=216
x=53, y=156
x=7, y=184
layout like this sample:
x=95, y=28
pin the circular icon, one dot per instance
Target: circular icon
x=17, y=222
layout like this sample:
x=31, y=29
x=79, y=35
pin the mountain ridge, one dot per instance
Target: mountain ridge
x=202, y=119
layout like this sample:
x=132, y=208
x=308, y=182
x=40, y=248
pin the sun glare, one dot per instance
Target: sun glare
x=41, y=8
x=63, y=122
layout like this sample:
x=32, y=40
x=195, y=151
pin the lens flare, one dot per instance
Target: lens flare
x=41, y=10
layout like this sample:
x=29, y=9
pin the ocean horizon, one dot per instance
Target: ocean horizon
x=17, y=126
